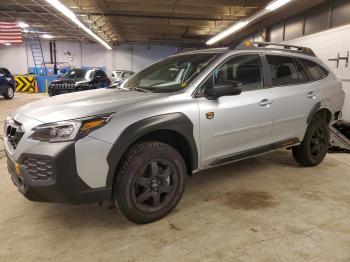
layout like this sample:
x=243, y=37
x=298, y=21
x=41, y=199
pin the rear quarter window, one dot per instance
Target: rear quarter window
x=315, y=71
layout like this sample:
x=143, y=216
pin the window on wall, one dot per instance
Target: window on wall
x=294, y=27
x=283, y=70
x=340, y=14
x=245, y=69
x=316, y=19
x=276, y=33
x=315, y=71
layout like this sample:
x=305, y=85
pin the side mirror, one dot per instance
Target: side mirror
x=224, y=88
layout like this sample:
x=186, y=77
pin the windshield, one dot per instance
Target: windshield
x=78, y=74
x=171, y=74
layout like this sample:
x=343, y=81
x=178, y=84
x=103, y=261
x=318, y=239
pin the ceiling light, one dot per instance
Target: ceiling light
x=237, y=26
x=22, y=25
x=7, y=44
x=47, y=36
x=276, y=4
x=234, y=28
x=68, y=13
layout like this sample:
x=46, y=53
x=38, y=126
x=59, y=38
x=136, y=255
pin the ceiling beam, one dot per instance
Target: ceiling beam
x=120, y=14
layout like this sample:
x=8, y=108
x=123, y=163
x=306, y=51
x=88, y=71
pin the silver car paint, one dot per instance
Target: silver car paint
x=248, y=125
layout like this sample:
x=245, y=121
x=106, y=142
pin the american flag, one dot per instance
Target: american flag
x=10, y=32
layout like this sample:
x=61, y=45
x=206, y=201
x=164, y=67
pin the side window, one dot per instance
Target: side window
x=314, y=70
x=283, y=70
x=245, y=69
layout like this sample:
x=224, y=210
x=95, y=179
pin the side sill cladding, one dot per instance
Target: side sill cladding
x=177, y=122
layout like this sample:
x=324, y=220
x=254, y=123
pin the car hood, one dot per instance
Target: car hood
x=83, y=104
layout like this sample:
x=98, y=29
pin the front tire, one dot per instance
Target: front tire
x=150, y=182
x=314, y=147
x=9, y=93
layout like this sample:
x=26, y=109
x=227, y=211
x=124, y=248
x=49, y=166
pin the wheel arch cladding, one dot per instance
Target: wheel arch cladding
x=317, y=111
x=167, y=128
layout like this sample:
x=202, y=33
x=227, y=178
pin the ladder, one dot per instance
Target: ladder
x=37, y=52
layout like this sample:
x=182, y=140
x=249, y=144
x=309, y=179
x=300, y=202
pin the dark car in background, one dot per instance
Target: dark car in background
x=7, y=84
x=78, y=80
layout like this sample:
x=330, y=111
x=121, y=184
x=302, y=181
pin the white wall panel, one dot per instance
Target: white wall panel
x=135, y=57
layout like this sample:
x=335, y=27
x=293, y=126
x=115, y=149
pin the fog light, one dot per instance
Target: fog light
x=18, y=169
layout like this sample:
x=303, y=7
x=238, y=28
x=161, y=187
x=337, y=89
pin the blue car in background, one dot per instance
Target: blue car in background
x=79, y=80
x=7, y=84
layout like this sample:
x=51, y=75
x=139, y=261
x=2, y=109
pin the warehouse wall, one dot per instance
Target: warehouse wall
x=17, y=58
x=327, y=45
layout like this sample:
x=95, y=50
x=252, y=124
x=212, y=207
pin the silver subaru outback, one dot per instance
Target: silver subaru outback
x=135, y=144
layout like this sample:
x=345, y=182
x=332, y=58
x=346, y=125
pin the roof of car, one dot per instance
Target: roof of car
x=219, y=50
x=257, y=46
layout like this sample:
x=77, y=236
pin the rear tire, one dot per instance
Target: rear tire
x=314, y=147
x=9, y=93
x=150, y=182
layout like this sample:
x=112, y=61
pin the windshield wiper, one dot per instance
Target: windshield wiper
x=140, y=89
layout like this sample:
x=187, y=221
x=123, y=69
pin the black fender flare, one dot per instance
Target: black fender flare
x=177, y=122
x=314, y=110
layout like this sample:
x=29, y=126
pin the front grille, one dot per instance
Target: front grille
x=38, y=168
x=14, y=132
x=63, y=86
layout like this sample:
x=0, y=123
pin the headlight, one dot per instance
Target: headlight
x=68, y=130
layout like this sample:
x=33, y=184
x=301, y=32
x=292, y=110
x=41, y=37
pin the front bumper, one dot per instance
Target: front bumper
x=62, y=89
x=3, y=89
x=50, y=175
x=54, y=91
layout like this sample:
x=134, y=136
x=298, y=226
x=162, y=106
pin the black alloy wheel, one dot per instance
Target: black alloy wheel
x=154, y=185
x=319, y=142
x=314, y=147
x=150, y=182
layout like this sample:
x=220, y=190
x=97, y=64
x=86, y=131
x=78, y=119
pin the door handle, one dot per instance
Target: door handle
x=266, y=102
x=311, y=95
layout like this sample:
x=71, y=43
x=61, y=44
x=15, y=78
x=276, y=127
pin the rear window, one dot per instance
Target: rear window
x=283, y=70
x=4, y=71
x=100, y=73
x=315, y=71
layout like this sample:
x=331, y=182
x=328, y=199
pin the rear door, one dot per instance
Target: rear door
x=294, y=95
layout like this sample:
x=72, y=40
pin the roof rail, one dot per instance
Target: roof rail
x=248, y=45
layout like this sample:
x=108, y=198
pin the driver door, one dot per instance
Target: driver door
x=235, y=125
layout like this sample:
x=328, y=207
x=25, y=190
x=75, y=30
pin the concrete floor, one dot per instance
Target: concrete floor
x=262, y=209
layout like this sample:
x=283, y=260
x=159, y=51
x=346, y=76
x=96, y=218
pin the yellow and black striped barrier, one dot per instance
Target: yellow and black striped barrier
x=26, y=84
